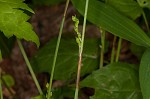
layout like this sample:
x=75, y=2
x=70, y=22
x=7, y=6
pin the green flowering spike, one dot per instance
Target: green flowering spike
x=78, y=41
x=78, y=38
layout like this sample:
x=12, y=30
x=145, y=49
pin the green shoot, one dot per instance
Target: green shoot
x=113, y=50
x=80, y=43
x=49, y=90
x=102, y=47
x=118, y=49
x=29, y=66
x=146, y=22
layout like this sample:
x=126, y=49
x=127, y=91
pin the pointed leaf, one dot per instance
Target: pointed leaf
x=109, y=19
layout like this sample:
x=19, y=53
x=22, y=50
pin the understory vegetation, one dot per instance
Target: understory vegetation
x=110, y=61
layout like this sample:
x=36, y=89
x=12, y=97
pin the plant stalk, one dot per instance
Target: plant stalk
x=29, y=67
x=102, y=47
x=113, y=50
x=146, y=22
x=81, y=50
x=118, y=49
x=49, y=90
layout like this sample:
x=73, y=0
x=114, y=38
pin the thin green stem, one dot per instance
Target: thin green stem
x=146, y=22
x=102, y=47
x=29, y=66
x=113, y=50
x=1, y=93
x=49, y=90
x=118, y=49
x=81, y=50
x=84, y=25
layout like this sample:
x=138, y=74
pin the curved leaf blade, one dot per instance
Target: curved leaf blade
x=115, y=81
x=145, y=74
x=109, y=19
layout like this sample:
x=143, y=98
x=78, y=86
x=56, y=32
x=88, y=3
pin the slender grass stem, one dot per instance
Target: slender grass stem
x=49, y=90
x=118, y=49
x=113, y=50
x=80, y=51
x=1, y=91
x=102, y=47
x=29, y=67
x=146, y=22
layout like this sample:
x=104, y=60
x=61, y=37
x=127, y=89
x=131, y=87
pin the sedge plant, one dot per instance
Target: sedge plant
x=49, y=90
x=80, y=41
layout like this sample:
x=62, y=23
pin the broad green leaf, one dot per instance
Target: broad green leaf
x=13, y=20
x=114, y=81
x=129, y=8
x=109, y=19
x=9, y=80
x=145, y=74
x=46, y=2
x=144, y=3
x=66, y=65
